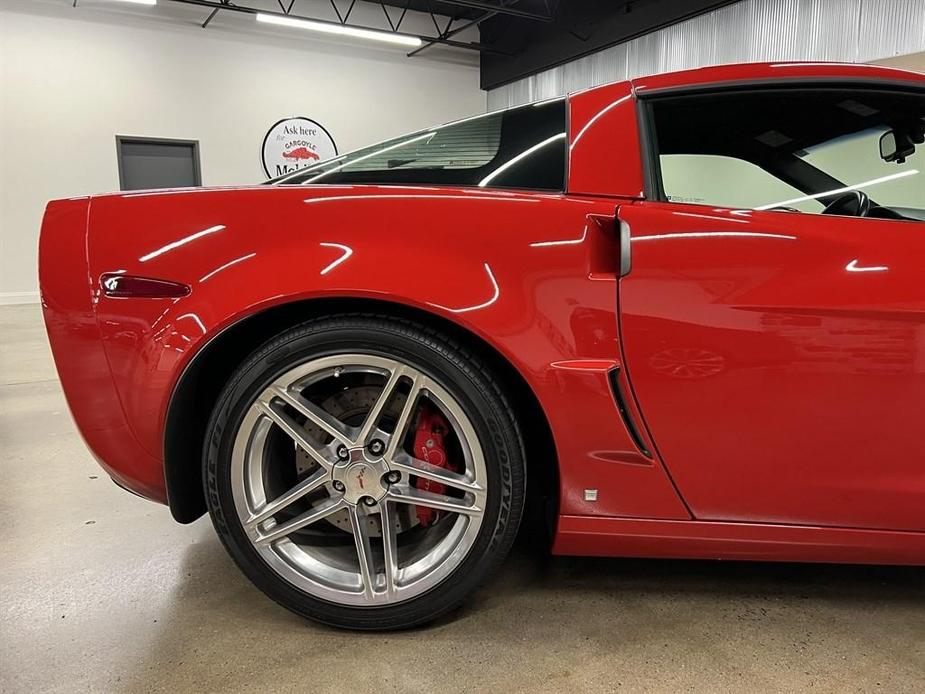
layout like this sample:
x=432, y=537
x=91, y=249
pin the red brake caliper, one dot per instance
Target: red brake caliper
x=429, y=447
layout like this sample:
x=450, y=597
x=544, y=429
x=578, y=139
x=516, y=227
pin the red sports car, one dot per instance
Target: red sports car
x=681, y=316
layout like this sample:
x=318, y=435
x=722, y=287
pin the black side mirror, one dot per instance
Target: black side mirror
x=896, y=146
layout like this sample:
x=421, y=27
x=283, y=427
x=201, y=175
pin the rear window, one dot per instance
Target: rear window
x=522, y=147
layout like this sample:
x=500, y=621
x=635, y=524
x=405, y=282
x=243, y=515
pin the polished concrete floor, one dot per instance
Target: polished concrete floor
x=102, y=592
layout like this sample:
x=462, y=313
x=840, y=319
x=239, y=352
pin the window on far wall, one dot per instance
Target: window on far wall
x=148, y=162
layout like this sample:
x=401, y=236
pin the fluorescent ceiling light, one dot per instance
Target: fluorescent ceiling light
x=141, y=2
x=328, y=28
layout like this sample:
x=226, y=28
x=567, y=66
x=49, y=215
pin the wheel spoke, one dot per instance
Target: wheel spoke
x=360, y=527
x=404, y=418
x=404, y=494
x=420, y=468
x=322, y=510
x=314, y=414
x=389, y=545
x=306, y=486
x=294, y=431
x=369, y=425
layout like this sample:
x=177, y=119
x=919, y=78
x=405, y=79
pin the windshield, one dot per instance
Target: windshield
x=522, y=147
x=855, y=158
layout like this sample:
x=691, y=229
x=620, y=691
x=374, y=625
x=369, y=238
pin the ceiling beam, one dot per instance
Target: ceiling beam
x=244, y=9
x=450, y=34
x=500, y=9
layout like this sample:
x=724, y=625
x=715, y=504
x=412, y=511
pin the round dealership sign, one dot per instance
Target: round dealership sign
x=294, y=143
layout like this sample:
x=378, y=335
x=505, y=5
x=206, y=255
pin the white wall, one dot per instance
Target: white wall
x=71, y=79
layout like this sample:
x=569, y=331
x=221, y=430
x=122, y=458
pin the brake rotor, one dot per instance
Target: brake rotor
x=351, y=405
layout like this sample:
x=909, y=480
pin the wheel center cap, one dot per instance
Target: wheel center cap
x=362, y=478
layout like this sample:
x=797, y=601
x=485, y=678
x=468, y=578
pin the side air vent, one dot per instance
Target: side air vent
x=628, y=421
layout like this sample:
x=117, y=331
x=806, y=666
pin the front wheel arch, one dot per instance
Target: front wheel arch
x=201, y=382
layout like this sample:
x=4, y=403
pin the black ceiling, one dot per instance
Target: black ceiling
x=523, y=37
x=580, y=27
x=473, y=9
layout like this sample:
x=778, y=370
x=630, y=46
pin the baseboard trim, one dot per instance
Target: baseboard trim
x=13, y=298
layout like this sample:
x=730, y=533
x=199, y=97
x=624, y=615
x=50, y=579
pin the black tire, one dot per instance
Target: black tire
x=443, y=358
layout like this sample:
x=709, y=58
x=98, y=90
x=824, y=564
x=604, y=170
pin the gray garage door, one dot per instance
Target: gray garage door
x=157, y=163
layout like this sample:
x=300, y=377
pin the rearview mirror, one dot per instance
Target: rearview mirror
x=895, y=146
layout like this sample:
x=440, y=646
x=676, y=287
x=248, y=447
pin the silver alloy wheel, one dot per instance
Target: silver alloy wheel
x=362, y=469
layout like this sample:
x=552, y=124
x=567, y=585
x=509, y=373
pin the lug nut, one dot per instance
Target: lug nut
x=376, y=447
x=342, y=452
x=338, y=485
x=392, y=477
x=369, y=501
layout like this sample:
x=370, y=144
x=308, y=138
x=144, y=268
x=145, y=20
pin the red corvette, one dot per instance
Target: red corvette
x=682, y=315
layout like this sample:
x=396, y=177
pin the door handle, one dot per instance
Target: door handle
x=626, y=257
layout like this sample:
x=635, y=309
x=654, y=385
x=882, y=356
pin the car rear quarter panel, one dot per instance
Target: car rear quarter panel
x=68, y=299
x=533, y=275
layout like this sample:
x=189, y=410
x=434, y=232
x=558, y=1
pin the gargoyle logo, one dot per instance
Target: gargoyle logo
x=300, y=153
x=294, y=143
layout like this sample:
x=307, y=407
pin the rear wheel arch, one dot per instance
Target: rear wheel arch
x=200, y=384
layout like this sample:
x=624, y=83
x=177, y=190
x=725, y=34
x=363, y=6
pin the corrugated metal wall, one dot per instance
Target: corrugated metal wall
x=748, y=31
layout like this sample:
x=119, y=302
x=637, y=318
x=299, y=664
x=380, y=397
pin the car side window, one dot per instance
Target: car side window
x=820, y=151
x=710, y=179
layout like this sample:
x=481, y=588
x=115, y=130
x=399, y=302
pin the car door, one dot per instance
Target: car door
x=778, y=357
